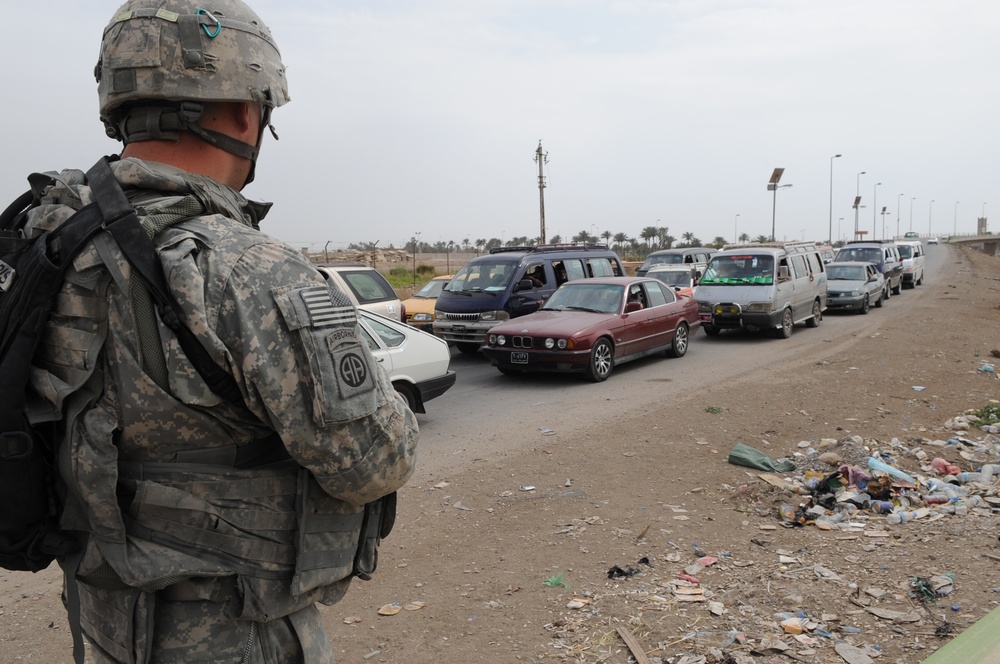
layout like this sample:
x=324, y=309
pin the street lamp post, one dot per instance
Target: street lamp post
x=898, y=203
x=955, y=230
x=875, y=209
x=857, y=202
x=839, y=236
x=772, y=185
x=911, y=212
x=930, y=210
x=883, y=221
x=736, y=234
x=830, y=230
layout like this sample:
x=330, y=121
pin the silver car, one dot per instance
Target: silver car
x=854, y=285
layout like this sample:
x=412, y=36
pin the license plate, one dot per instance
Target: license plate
x=458, y=328
x=518, y=358
x=705, y=318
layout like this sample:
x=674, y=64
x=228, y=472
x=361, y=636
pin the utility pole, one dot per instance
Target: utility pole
x=541, y=158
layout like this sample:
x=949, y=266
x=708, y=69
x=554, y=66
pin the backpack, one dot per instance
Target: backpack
x=31, y=274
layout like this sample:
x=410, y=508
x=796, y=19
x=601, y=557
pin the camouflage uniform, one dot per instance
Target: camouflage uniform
x=213, y=527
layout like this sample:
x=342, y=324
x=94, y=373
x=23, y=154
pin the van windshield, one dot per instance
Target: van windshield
x=748, y=269
x=488, y=277
x=863, y=254
x=905, y=251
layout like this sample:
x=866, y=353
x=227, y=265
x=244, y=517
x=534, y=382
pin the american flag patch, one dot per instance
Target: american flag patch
x=328, y=308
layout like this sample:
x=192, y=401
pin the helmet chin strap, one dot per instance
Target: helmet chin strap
x=165, y=123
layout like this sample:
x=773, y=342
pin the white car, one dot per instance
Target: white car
x=932, y=240
x=417, y=362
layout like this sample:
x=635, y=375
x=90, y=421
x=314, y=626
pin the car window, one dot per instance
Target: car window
x=657, y=294
x=740, y=269
x=905, y=251
x=799, y=267
x=369, y=286
x=431, y=289
x=600, y=267
x=369, y=339
x=574, y=269
x=815, y=264
x=482, y=276
x=390, y=337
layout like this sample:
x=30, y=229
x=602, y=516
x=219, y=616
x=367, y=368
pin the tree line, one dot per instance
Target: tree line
x=652, y=238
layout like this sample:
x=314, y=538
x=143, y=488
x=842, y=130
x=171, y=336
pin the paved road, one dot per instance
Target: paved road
x=487, y=415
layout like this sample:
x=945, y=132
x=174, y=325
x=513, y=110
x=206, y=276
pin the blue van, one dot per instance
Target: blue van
x=512, y=281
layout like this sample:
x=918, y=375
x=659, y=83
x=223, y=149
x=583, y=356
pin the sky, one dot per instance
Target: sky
x=424, y=117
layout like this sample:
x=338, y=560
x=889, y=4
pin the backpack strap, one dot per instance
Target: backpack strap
x=138, y=248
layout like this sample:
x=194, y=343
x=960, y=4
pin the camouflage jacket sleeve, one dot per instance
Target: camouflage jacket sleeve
x=293, y=342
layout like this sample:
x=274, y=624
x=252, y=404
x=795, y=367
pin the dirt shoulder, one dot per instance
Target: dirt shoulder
x=652, y=492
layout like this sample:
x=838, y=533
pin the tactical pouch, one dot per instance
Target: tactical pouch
x=118, y=623
x=380, y=515
x=328, y=533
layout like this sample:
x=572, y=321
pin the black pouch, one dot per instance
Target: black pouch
x=380, y=515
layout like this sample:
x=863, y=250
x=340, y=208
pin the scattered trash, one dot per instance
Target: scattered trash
x=744, y=455
x=390, y=609
x=919, y=388
x=987, y=368
x=556, y=581
x=527, y=488
x=630, y=570
x=547, y=432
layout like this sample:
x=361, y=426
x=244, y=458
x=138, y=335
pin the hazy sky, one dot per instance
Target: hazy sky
x=424, y=117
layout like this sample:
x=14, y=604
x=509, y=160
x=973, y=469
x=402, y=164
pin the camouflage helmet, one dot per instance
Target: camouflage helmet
x=188, y=50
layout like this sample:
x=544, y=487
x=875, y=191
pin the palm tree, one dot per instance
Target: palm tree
x=555, y=239
x=607, y=237
x=649, y=233
x=762, y=238
x=620, y=239
x=744, y=237
x=688, y=238
x=664, y=237
x=480, y=244
x=718, y=242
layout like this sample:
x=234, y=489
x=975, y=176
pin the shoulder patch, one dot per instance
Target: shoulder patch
x=326, y=306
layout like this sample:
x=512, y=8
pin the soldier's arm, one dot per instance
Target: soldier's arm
x=307, y=370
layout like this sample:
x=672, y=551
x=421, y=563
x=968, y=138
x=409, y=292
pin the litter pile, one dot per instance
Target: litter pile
x=797, y=602
x=898, y=481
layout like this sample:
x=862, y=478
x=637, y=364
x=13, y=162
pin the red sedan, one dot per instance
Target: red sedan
x=591, y=325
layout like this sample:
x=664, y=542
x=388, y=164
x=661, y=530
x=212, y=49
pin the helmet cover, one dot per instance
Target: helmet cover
x=182, y=50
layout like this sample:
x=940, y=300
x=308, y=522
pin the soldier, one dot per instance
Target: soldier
x=209, y=528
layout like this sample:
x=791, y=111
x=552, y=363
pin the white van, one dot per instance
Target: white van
x=769, y=286
x=912, y=253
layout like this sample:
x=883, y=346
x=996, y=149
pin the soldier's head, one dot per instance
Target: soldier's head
x=171, y=66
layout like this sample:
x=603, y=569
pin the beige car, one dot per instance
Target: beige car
x=420, y=307
x=367, y=288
